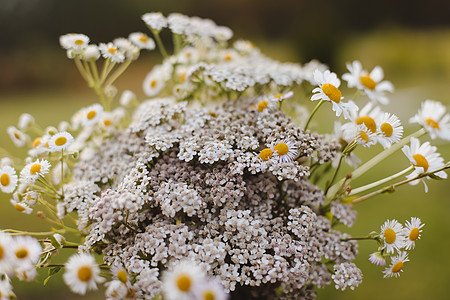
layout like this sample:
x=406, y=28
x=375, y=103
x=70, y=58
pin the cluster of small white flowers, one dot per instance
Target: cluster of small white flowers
x=346, y=275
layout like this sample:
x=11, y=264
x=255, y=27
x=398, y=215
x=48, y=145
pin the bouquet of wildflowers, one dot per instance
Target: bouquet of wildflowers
x=214, y=187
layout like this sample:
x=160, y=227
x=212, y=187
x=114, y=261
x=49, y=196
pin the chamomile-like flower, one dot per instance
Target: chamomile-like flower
x=397, y=263
x=25, y=121
x=390, y=130
x=91, y=115
x=377, y=259
x=179, y=282
x=6, y=292
x=155, y=81
x=142, y=40
x=329, y=90
x=115, y=289
x=82, y=273
x=60, y=141
x=371, y=83
x=434, y=118
x=119, y=273
x=210, y=289
x=91, y=52
x=393, y=236
x=18, y=137
x=5, y=253
x=74, y=41
x=364, y=136
x=285, y=151
x=155, y=20
x=425, y=159
x=21, y=206
x=412, y=231
x=8, y=179
x=281, y=97
x=25, y=251
x=31, y=172
x=112, y=52
x=127, y=98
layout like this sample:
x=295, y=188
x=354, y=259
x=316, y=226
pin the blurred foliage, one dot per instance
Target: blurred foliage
x=409, y=39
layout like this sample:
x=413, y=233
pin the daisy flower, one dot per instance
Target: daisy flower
x=82, y=273
x=364, y=136
x=21, y=206
x=368, y=116
x=25, y=252
x=91, y=52
x=390, y=130
x=112, y=52
x=396, y=266
x=377, y=259
x=425, y=159
x=91, y=115
x=179, y=282
x=210, y=289
x=265, y=154
x=18, y=137
x=142, y=40
x=371, y=83
x=433, y=117
x=74, y=41
x=60, y=141
x=26, y=274
x=115, y=289
x=5, y=253
x=8, y=179
x=393, y=236
x=125, y=46
x=412, y=231
x=329, y=90
x=281, y=97
x=119, y=273
x=155, y=20
x=285, y=151
x=6, y=292
x=263, y=104
x=39, y=146
x=154, y=82
x=31, y=172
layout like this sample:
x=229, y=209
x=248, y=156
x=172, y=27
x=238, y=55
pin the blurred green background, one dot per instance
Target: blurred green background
x=409, y=39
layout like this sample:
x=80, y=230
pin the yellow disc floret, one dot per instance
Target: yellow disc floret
x=2, y=252
x=122, y=276
x=143, y=38
x=368, y=82
x=19, y=207
x=387, y=129
x=153, y=83
x=368, y=121
x=421, y=162
x=364, y=136
x=112, y=50
x=79, y=42
x=184, y=283
x=60, y=141
x=397, y=267
x=262, y=105
x=282, y=149
x=21, y=253
x=90, y=115
x=35, y=168
x=37, y=142
x=4, y=179
x=265, y=154
x=414, y=234
x=432, y=123
x=208, y=295
x=332, y=92
x=85, y=273
x=390, y=236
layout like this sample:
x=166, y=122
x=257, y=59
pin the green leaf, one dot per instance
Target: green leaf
x=51, y=272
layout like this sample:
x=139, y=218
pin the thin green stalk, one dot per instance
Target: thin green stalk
x=159, y=42
x=82, y=71
x=379, y=182
x=94, y=70
x=335, y=173
x=117, y=73
x=313, y=113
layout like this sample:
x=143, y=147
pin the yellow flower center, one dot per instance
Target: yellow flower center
x=368, y=121
x=4, y=179
x=153, y=83
x=183, y=77
x=1, y=252
x=390, y=236
x=265, y=154
x=432, y=123
x=228, y=57
x=208, y=295
x=368, y=82
x=262, y=105
x=279, y=96
x=19, y=207
x=421, y=161
x=387, y=129
x=107, y=122
x=122, y=276
x=364, y=136
x=17, y=136
x=79, y=42
x=332, y=92
x=397, y=267
x=282, y=149
x=36, y=168
x=143, y=38
x=21, y=253
x=112, y=50
x=184, y=283
x=85, y=273
x=414, y=234
x=61, y=141
x=37, y=142
x=91, y=114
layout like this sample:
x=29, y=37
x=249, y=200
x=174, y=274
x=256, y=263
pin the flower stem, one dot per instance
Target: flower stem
x=313, y=113
x=379, y=182
x=159, y=42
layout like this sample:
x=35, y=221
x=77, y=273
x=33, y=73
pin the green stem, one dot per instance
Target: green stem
x=335, y=173
x=376, y=159
x=379, y=182
x=313, y=113
x=176, y=43
x=82, y=71
x=94, y=70
x=117, y=73
x=159, y=42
